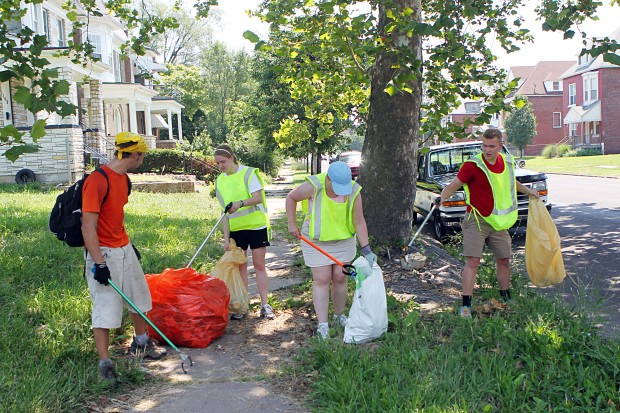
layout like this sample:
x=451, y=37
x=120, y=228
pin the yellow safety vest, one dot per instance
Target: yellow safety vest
x=235, y=187
x=331, y=220
x=505, y=208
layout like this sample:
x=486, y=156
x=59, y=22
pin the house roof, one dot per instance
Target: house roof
x=544, y=71
x=594, y=64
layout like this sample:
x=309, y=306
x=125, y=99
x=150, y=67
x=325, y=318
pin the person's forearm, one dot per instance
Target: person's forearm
x=91, y=243
x=291, y=211
x=225, y=228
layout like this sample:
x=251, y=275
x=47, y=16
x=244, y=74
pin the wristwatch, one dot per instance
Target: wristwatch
x=242, y=203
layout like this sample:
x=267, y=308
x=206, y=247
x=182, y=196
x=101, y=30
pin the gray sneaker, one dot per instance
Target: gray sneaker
x=267, y=312
x=322, y=332
x=151, y=349
x=107, y=372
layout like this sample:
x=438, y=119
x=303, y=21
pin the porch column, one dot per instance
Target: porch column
x=180, y=127
x=133, y=119
x=147, y=120
x=169, y=119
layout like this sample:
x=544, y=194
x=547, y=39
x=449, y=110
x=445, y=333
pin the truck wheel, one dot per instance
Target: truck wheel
x=25, y=176
x=439, y=229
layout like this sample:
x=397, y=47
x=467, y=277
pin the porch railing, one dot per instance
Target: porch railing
x=584, y=140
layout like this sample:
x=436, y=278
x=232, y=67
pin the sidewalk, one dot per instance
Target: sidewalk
x=222, y=379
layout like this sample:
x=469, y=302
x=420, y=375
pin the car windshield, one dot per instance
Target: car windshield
x=450, y=160
x=351, y=158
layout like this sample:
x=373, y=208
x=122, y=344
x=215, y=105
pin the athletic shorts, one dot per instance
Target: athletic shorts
x=127, y=275
x=474, y=238
x=254, y=238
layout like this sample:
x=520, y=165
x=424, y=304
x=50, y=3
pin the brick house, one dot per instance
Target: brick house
x=542, y=85
x=591, y=100
x=113, y=95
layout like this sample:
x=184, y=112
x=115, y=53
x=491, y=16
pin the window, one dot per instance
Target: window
x=590, y=87
x=46, y=27
x=62, y=36
x=572, y=94
x=584, y=59
x=35, y=15
x=595, y=131
x=445, y=120
x=557, y=119
x=572, y=129
x=118, y=68
x=556, y=86
x=95, y=41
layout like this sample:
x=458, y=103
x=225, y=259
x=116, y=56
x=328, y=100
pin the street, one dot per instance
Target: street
x=586, y=211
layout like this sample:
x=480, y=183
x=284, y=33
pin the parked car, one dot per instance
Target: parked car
x=438, y=167
x=353, y=159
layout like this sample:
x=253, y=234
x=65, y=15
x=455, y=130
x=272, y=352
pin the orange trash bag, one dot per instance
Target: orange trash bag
x=543, y=253
x=227, y=269
x=190, y=308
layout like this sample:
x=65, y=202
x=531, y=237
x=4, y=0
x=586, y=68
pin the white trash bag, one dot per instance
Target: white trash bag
x=368, y=318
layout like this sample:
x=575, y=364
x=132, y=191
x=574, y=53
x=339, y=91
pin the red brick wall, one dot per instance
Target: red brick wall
x=543, y=107
x=609, y=93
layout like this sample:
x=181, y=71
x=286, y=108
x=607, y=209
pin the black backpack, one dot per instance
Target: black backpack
x=66, y=216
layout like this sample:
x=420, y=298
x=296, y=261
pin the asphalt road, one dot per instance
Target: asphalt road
x=586, y=211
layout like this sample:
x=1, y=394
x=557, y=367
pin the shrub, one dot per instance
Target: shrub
x=588, y=152
x=549, y=151
x=570, y=153
x=175, y=161
x=562, y=149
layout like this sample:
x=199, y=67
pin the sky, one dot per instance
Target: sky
x=546, y=45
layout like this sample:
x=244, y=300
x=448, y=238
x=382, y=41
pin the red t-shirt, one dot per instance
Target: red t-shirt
x=110, y=228
x=480, y=192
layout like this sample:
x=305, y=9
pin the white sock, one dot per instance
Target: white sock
x=142, y=339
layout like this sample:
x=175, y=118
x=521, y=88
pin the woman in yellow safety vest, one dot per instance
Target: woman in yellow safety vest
x=247, y=221
x=333, y=204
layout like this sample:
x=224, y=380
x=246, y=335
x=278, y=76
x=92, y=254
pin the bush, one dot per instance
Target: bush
x=549, y=151
x=562, y=149
x=251, y=152
x=588, y=152
x=570, y=153
x=174, y=161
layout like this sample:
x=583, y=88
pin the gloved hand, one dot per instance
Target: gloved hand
x=138, y=255
x=370, y=257
x=102, y=273
x=437, y=201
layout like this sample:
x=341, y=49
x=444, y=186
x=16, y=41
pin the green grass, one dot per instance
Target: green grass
x=602, y=165
x=48, y=361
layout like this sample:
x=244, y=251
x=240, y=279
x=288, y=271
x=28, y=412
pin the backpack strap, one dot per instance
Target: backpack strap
x=105, y=175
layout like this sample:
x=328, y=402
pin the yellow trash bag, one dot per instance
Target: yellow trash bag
x=543, y=254
x=227, y=270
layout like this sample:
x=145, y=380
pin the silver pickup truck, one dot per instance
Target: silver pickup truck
x=438, y=167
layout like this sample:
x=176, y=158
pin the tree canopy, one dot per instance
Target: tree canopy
x=521, y=125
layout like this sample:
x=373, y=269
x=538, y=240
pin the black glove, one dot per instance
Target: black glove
x=138, y=255
x=102, y=273
x=437, y=201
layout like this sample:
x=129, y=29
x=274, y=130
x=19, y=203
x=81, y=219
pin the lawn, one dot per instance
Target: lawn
x=536, y=357
x=603, y=165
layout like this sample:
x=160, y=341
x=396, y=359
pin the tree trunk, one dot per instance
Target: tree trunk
x=390, y=150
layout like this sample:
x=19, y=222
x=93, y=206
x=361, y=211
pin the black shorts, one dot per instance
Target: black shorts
x=255, y=238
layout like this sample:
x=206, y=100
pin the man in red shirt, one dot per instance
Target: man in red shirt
x=491, y=187
x=111, y=256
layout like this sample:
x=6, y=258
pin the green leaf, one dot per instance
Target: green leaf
x=612, y=58
x=5, y=75
x=38, y=130
x=391, y=89
x=22, y=95
x=10, y=131
x=16, y=151
x=72, y=16
x=569, y=34
x=62, y=87
x=251, y=36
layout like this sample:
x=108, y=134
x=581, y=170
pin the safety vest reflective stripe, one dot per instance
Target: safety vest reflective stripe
x=505, y=205
x=322, y=231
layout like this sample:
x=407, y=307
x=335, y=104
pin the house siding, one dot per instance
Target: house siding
x=543, y=108
x=609, y=83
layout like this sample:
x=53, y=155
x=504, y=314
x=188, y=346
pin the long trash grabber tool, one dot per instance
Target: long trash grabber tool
x=422, y=226
x=182, y=355
x=210, y=233
x=347, y=269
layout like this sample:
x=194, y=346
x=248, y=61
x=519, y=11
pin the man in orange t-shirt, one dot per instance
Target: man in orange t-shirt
x=112, y=257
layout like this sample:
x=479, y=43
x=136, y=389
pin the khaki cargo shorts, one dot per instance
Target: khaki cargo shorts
x=474, y=238
x=127, y=275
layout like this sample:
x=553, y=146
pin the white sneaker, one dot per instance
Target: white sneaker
x=342, y=319
x=323, y=331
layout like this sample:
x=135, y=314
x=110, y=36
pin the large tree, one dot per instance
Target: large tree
x=521, y=125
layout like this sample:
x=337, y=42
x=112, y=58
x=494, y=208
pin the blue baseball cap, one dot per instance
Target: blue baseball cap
x=340, y=174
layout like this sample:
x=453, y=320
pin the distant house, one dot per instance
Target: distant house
x=542, y=85
x=113, y=94
x=591, y=101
